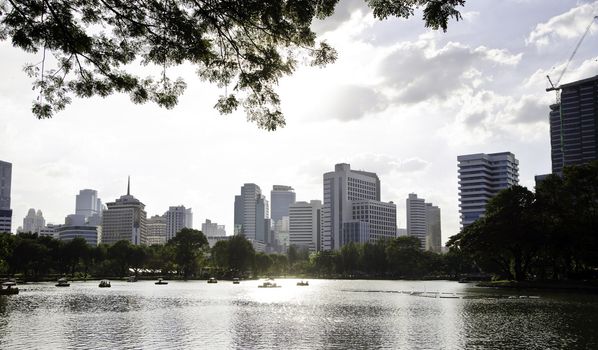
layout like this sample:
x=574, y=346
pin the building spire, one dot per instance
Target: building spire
x=129, y=186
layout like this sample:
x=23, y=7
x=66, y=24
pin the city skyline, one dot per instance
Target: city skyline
x=410, y=134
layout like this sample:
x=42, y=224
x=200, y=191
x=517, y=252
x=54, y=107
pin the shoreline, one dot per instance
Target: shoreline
x=568, y=286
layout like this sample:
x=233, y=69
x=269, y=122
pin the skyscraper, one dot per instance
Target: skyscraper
x=305, y=225
x=156, y=230
x=352, y=210
x=251, y=213
x=210, y=228
x=5, y=183
x=125, y=219
x=416, y=218
x=87, y=203
x=574, y=125
x=481, y=177
x=434, y=233
x=177, y=218
x=423, y=222
x=34, y=222
x=280, y=199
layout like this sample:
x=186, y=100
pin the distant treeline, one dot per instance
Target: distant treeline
x=551, y=234
x=187, y=255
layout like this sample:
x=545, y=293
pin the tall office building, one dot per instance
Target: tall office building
x=416, y=218
x=87, y=220
x=434, y=233
x=156, y=230
x=177, y=218
x=380, y=219
x=5, y=210
x=125, y=219
x=304, y=224
x=423, y=222
x=251, y=213
x=280, y=199
x=88, y=204
x=574, y=125
x=212, y=229
x=352, y=210
x=481, y=177
x=34, y=222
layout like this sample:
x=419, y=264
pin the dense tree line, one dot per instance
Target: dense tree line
x=551, y=234
x=187, y=255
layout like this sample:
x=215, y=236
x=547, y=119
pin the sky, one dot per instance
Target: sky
x=401, y=101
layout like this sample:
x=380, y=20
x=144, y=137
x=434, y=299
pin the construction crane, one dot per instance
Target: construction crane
x=556, y=85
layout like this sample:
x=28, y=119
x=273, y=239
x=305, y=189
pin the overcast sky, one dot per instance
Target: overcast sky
x=401, y=101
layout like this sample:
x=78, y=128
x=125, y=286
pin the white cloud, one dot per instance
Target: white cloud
x=419, y=71
x=568, y=25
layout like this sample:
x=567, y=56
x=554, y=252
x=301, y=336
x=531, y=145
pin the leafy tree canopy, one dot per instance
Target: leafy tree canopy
x=242, y=46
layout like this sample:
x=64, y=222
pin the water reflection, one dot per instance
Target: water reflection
x=327, y=314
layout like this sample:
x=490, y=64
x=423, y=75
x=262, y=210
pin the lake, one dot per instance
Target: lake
x=332, y=314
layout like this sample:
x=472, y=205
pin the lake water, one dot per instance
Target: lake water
x=327, y=314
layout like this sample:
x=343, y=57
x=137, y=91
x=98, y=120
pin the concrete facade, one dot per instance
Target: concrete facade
x=177, y=218
x=481, y=177
x=125, y=219
x=305, y=224
x=251, y=213
x=344, y=188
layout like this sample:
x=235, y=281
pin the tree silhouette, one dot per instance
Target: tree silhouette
x=242, y=46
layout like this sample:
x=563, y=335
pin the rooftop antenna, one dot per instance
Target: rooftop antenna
x=129, y=186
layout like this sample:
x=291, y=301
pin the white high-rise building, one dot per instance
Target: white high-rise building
x=87, y=203
x=251, y=213
x=34, y=222
x=5, y=210
x=156, y=230
x=177, y=218
x=212, y=229
x=481, y=177
x=87, y=220
x=423, y=222
x=417, y=225
x=380, y=217
x=125, y=219
x=305, y=225
x=346, y=190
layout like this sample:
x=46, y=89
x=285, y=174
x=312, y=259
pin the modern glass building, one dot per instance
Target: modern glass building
x=574, y=125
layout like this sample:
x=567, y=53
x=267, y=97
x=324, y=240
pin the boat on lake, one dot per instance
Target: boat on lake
x=303, y=283
x=212, y=280
x=105, y=284
x=161, y=281
x=63, y=282
x=9, y=288
x=269, y=283
x=236, y=280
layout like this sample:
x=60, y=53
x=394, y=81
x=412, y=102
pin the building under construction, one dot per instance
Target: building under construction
x=574, y=124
